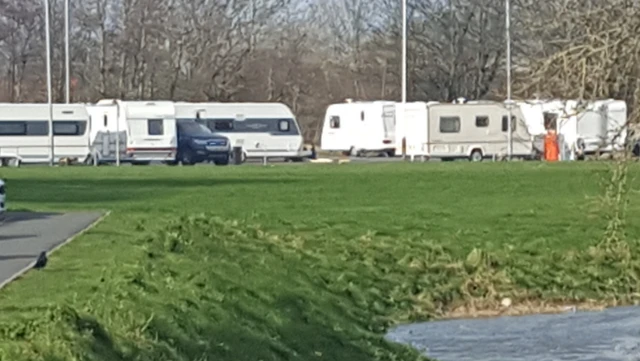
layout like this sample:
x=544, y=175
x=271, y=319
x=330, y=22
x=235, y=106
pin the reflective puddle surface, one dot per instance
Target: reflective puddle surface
x=612, y=334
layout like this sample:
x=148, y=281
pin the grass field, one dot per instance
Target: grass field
x=305, y=262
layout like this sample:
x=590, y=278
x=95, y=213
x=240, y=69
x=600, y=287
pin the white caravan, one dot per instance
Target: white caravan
x=360, y=127
x=473, y=130
x=146, y=131
x=602, y=127
x=24, y=132
x=586, y=128
x=260, y=129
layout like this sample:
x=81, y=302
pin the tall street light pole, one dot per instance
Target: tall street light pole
x=509, y=101
x=404, y=51
x=48, y=57
x=66, y=51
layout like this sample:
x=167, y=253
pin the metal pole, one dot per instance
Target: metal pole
x=66, y=51
x=404, y=51
x=49, y=101
x=117, y=103
x=508, y=36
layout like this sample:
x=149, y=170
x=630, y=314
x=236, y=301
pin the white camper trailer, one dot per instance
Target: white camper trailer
x=146, y=128
x=585, y=127
x=360, y=127
x=261, y=129
x=602, y=127
x=473, y=130
x=24, y=132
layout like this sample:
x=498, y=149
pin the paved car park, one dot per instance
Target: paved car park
x=23, y=235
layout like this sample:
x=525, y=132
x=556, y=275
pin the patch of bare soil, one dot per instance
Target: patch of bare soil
x=529, y=307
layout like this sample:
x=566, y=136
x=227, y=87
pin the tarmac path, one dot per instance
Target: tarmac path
x=23, y=235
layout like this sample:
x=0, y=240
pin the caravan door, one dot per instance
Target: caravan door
x=412, y=121
x=389, y=123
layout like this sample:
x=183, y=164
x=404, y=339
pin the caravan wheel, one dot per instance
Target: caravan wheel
x=476, y=156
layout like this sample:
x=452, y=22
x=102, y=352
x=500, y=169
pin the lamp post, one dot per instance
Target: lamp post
x=509, y=101
x=404, y=51
x=66, y=51
x=48, y=61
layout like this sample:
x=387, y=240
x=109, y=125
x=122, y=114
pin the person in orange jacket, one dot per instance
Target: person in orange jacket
x=551, y=149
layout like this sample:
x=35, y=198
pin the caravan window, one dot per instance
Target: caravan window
x=449, y=124
x=505, y=125
x=482, y=121
x=37, y=128
x=69, y=128
x=550, y=120
x=221, y=124
x=283, y=125
x=334, y=122
x=155, y=126
x=13, y=128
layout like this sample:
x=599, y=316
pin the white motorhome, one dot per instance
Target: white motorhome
x=473, y=130
x=24, y=132
x=360, y=127
x=261, y=129
x=146, y=131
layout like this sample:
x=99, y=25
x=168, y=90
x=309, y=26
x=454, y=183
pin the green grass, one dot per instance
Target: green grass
x=302, y=262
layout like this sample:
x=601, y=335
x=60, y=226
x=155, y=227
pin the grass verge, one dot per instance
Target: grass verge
x=309, y=262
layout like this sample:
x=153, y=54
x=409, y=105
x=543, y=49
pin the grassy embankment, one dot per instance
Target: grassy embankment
x=302, y=263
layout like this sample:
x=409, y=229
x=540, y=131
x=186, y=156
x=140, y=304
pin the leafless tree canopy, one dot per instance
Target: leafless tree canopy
x=310, y=53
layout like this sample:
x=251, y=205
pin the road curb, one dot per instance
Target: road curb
x=66, y=241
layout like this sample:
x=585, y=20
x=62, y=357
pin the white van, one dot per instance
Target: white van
x=360, y=127
x=261, y=129
x=146, y=128
x=24, y=132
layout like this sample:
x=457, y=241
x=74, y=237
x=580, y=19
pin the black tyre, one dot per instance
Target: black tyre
x=476, y=155
x=224, y=161
x=186, y=158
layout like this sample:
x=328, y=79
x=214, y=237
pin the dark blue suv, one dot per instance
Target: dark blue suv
x=197, y=144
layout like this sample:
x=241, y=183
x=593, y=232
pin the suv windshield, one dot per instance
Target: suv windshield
x=193, y=129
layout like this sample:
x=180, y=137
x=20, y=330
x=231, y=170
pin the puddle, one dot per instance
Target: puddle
x=609, y=335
